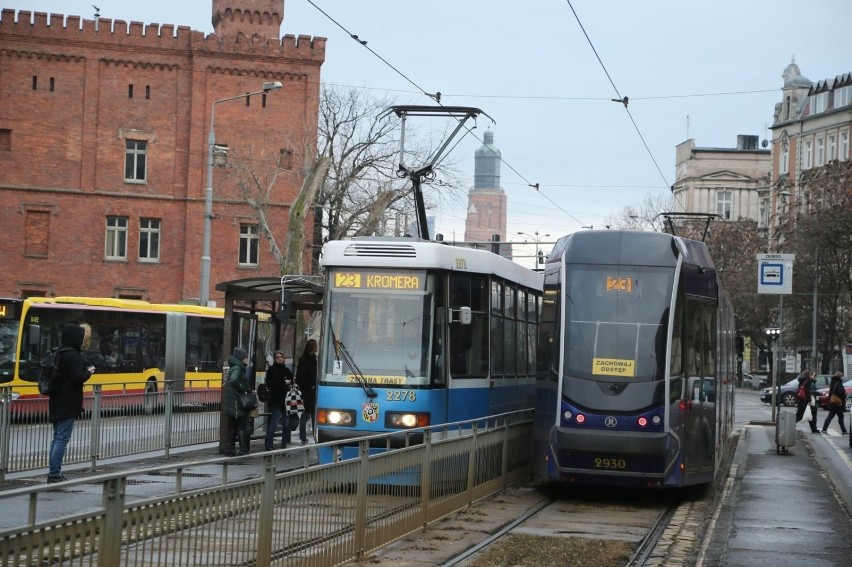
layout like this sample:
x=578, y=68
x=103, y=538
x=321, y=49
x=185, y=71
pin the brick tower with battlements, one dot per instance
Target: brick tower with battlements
x=104, y=127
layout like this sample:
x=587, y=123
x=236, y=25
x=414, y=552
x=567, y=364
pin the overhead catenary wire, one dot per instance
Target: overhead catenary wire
x=621, y=99
x=434, y=97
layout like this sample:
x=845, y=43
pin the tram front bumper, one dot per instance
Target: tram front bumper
x=616, y=453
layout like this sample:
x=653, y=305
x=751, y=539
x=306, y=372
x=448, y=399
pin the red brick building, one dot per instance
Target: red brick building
x=103, y=149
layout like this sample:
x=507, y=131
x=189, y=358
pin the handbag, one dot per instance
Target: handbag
x=293, y=402
x=835, y=400
x=247, y=401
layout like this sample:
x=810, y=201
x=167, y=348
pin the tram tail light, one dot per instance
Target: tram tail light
x=642, y=421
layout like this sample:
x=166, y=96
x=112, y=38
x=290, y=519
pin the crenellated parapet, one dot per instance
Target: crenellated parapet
x=43, y=27
x=23, y=54
x=259, y=73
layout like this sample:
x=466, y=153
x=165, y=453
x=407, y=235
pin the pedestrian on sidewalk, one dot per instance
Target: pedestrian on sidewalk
x=278, y=380
x=806, y=396
x=66, y=404
x=837, y=395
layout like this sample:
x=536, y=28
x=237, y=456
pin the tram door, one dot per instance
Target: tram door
x=700, y=424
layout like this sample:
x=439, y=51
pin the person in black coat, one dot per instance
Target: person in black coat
x=836, y=388
x=807, y=381
x=278, y=381
x=67, y=403
x=306, y=378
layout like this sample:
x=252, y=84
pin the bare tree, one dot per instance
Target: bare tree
x=643, y=215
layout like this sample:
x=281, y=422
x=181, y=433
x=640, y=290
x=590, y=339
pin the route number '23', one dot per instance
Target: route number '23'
x=401, y=395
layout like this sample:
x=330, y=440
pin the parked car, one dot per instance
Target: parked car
x=787, y=392
x=822, y=398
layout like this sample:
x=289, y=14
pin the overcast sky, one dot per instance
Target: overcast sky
x=529, y=65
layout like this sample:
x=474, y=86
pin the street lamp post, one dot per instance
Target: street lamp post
x=537, y=239
x=772, y=334
x=204, y=289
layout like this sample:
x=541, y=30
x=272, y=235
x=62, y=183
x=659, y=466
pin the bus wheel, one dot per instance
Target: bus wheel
x=149, y=398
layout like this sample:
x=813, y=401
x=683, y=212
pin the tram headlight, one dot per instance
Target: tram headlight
x=656, y=420
x=567, y=415
x=642, y=421
x=580, y=418
x=345, y=418
x=406, y=420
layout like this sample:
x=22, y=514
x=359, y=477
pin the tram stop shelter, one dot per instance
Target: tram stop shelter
x=265, y=314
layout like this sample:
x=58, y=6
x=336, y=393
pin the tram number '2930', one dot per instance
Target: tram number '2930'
x=401, y=395
x=610, y=463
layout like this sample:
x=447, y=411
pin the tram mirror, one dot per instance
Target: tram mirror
x=34, y=335
x=285, y=309
x=464, y=315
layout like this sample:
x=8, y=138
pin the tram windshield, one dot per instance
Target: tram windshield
x=617, y=322
x=384, y=321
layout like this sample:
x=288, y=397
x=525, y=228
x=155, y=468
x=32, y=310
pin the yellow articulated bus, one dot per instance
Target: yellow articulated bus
x=134, y=345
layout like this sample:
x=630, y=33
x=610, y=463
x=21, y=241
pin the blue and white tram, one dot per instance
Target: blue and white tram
x=419, y=333
x=636, y=362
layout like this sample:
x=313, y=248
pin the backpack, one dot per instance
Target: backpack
x=49, y=373
x=293, y=403
x=802, y=392
x=263, y=392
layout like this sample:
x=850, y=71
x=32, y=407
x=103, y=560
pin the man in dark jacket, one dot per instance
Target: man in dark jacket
x=306, y=378
x=67, y=403
x=278, y=380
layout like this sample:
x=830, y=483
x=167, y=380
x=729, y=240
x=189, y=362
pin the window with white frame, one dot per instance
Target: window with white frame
x=785, y=158
x=843, y=155
x=807, y=158
x=842, y=96
x=819, y=102
x=116, y=238
x=149, y=240
x=724, y=203
x=135, y=160
x=832, y=147
x=820, y=152
x=249, y=242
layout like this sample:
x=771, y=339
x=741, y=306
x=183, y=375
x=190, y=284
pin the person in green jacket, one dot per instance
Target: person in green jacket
x=237, y=383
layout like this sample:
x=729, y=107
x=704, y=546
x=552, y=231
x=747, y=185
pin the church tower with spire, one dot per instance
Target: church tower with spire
x=486, y=208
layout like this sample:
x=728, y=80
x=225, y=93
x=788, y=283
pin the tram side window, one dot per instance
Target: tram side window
x=496, y=329
x=548, y=330
x=694, y=348
x=676, y=362
x=510, y=331
x=708, y=320
x=469, y=343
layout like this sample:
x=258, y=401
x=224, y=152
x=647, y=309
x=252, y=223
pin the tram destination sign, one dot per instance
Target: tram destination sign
x=775, y=273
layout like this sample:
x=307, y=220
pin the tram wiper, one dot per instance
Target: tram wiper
x=341, y=352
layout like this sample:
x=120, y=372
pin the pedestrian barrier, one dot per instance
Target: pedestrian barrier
x=315, y=515
x=119, y=423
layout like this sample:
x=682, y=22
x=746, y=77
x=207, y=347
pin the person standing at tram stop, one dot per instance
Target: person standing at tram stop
x=236, y=384
x=807, y=381
x=306, y=379
x=836, y=388
x=278, y=381
x=67, y=403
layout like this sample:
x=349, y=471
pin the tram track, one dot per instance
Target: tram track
x=549, y=527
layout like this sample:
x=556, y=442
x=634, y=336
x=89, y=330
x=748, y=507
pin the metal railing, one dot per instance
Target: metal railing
x=123, y=420
x=248, y=512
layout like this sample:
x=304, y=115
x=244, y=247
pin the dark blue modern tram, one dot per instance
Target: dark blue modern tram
x=636, y=362
x=419, y=333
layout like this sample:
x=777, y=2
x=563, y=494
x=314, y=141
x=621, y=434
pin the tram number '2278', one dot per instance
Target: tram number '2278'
x=610, y=463
x=401, y=395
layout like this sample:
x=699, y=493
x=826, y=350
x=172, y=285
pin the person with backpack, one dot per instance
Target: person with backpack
x=836, y=394
x=805, y=399
x=278, y=381
x=66, y=398
x=236, y=384
x=306, y=378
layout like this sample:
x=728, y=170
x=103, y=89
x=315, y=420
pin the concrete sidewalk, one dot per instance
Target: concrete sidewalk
x=786, y=509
